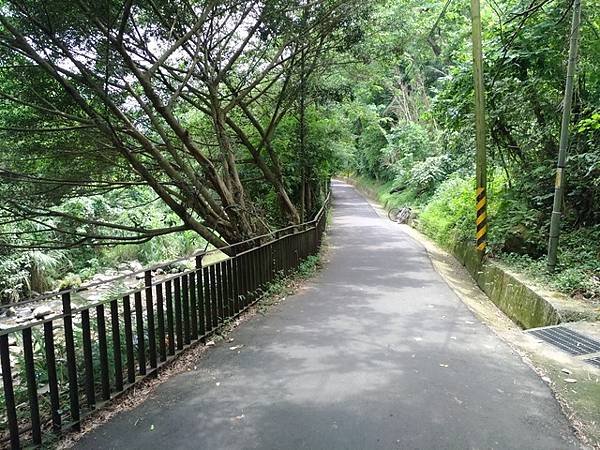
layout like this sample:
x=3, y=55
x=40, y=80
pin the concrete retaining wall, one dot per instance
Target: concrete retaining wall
x=518, y=301
x=527, y=305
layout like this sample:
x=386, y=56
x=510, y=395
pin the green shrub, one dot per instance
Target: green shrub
x=70, y=280
x=449, y=216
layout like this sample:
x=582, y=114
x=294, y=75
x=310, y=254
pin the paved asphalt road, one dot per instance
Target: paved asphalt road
x=376, y=352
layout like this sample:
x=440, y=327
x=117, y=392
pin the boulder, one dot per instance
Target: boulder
x=24, y=319
x=42, y=311
x=136, y=266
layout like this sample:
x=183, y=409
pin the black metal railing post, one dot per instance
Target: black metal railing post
x=88, y=365
x=170, y=318
x=128, y=339
x=52, y=376
x=71, y=361
x=185, y=303
x=193, y=306
x=116, y=341
x=170, y=314
x=9, y=393
x=160, y=318
x=141, y=345
x=178, y=314
x=34, y=409
x=207, y=299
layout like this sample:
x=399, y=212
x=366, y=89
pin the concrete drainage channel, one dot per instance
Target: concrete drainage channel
x=540, y=314
x=571, y=342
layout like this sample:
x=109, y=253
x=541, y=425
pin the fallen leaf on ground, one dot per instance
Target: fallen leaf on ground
x=152, y=427
x=218, y=383
x=546, y=379
x=235, y=347
x=570, y=380
x=567, y=371
x=240, y=417
x=210, y=343
x=443, y=365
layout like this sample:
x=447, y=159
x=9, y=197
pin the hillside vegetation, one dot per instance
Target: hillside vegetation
x=410, y=115
x=150, y=131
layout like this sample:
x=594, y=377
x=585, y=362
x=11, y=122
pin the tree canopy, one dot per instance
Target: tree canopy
x=127, y=121
x=182, y=97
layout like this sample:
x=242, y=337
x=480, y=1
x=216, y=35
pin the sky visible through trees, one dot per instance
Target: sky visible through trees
x=140, y=129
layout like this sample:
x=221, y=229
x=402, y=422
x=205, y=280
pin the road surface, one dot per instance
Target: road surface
x=377, y=352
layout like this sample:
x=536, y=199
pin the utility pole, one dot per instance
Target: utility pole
x=481, y=159
x=559, y=185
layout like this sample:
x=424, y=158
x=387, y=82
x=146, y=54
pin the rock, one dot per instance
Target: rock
x=101, y=277
x=42, y=311
x=159, y=271
x=24, y=319
x=136, y=266
x=10, y=312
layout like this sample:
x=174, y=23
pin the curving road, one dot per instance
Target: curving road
x=377, y=352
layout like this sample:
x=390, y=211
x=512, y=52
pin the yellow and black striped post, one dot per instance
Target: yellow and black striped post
x=480, y=131
x=481, y=220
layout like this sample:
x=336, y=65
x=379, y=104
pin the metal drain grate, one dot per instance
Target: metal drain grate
x=567, y=340
x=594, y=361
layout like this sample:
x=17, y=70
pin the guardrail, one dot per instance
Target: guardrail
x=67, y=365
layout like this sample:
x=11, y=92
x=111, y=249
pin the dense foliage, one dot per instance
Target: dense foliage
x=411, y=110
x=125, y=122
x=166, y=125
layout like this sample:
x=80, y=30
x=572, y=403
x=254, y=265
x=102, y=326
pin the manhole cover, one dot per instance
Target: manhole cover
x=567, y=340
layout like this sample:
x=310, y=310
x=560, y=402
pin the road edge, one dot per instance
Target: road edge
x=548, y=364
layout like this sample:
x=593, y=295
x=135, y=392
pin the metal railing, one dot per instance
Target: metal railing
x=88, y=355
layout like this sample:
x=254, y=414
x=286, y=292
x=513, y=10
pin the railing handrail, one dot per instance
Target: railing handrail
x=99, y=349
x=154, y=267
x=131, y=292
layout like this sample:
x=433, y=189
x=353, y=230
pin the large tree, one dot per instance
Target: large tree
x=175, y=95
